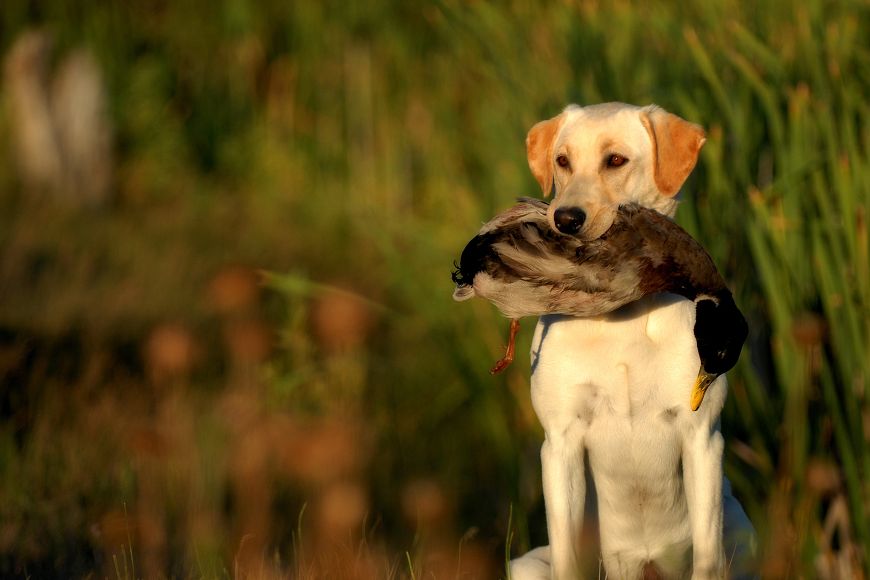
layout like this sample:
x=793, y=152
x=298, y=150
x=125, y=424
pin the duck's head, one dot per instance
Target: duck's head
x=720, y=331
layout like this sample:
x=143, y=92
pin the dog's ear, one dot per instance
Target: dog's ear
x=676, y=143
x=539, y=150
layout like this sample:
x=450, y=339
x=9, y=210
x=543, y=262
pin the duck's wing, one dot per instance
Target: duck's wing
x=550, y=273
x=480, y=255
x=513, y=245
x=673, y=260
x=530, y=250
x=526, y=210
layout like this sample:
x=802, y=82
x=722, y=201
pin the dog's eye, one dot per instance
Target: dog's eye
x=562, y=160
x=616, y=160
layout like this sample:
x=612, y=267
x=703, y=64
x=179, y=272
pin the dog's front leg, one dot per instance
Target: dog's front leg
x=564, y=498
x=702, y=474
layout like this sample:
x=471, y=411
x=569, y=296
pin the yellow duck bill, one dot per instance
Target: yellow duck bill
x=702, y=383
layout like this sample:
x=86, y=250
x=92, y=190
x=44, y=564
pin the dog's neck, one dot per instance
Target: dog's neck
x=665, y=205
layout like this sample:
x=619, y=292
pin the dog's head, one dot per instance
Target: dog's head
x=599, y=157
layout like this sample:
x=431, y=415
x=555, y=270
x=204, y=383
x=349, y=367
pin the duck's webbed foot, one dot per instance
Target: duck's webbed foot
x=508, y=357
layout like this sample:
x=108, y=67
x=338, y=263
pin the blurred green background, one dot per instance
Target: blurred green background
x=227, y=341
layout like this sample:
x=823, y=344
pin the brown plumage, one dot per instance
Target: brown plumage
x=524, y=267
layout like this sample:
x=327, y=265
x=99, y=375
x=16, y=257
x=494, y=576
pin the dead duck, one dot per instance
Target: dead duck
x=521, y=265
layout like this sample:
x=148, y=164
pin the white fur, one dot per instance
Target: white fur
x=612, y=395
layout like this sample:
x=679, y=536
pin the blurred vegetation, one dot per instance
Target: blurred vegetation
x=170, y=410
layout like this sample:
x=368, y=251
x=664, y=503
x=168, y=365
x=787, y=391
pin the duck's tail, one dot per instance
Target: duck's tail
x=463, y=293
x=464, y=286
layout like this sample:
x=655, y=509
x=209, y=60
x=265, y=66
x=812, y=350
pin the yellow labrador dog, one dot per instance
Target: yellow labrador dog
x=612, y=393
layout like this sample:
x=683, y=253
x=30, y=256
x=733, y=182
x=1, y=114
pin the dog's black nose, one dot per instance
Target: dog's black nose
x=569, y=220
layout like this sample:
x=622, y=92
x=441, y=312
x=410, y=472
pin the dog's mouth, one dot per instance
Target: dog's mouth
x=595, y=230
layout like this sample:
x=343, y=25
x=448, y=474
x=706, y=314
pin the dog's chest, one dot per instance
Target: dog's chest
x=625, y=382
